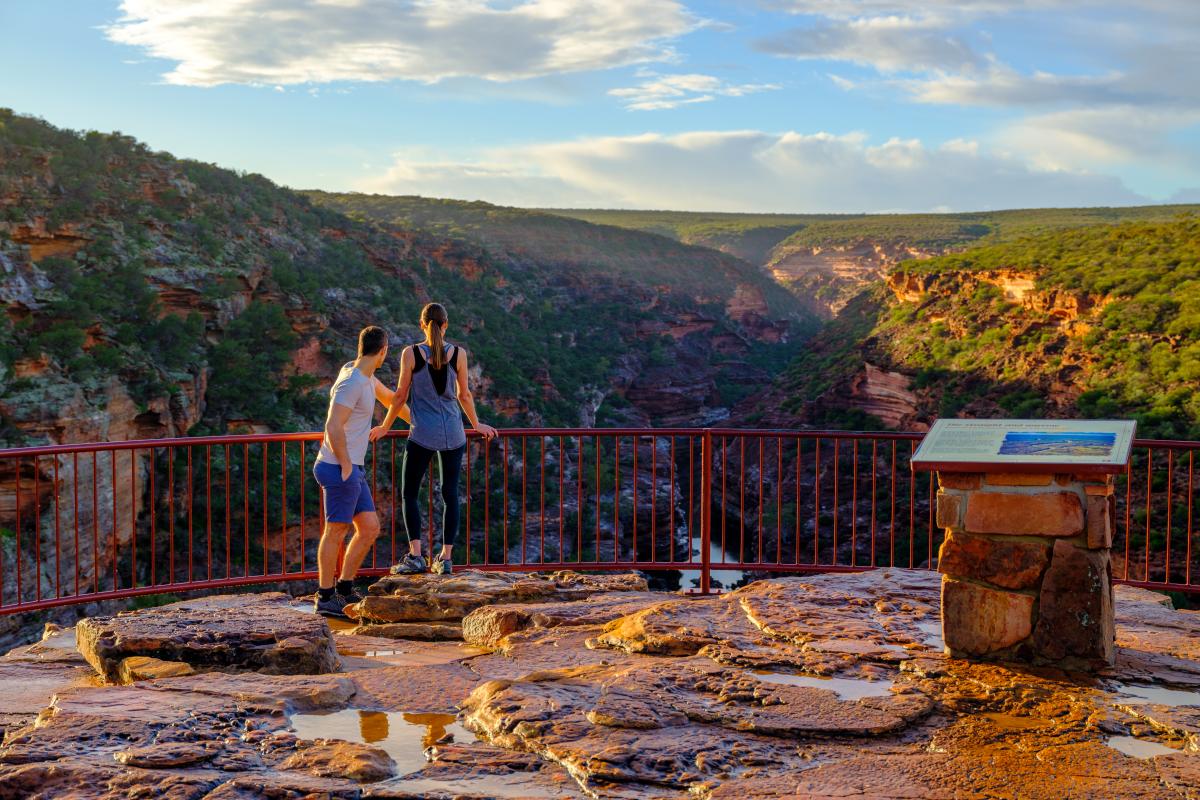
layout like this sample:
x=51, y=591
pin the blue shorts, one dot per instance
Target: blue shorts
x=343, y=500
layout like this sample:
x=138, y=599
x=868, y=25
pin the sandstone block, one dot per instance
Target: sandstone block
x=1075, y=619
x=487, y=626
x=332, y=758
x=978, y=621
x=1050, y=514
x=1105, y=489
x=960, y=480
x=949, y=510
x=1006, y=563
x=1100, y=512
x=232, y=633
x=1017, y=479
x=436, y=598
x=144, y=668
x=429, y=631
x=166, y=755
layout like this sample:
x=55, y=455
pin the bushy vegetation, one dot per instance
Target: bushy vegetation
x=575, y=249
x=1133, y=350
x=187, y=271
x=773, y=236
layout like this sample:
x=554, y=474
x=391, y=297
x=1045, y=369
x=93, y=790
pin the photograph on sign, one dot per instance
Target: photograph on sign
x=1044, y=443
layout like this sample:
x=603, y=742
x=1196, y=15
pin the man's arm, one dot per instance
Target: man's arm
x=335, y=434
x=399, y=400
x=467, y=400
x=385, y=395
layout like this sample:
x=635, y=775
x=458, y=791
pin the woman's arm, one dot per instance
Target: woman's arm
x=467, y=400
x=399, y=402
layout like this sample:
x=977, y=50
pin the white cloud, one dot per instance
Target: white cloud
x=1124, y=108
x=752, y=171
x=671, y=91
x=888, y=43
x=280, y=42
x=1099, y=137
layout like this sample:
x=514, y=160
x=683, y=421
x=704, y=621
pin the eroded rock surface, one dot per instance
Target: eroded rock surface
x=826, y=686
x=424, y=598
x=261, y=633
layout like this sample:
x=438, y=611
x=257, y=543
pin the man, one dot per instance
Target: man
x=345, y=492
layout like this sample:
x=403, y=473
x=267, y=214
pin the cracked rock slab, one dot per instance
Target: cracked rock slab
x=259, y=633
x=437, y=598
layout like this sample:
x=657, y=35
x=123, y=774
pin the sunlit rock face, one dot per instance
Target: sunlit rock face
x=824, y=686
x=230, y=632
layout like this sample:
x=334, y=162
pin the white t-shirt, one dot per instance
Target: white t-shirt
x=357, y=392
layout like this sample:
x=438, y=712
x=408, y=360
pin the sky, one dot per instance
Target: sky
x=705, y=105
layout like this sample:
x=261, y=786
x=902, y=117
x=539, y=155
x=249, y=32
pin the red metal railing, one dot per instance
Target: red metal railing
x=97, y=521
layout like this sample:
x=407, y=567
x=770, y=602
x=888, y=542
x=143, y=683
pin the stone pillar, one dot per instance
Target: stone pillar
x=1025, y=567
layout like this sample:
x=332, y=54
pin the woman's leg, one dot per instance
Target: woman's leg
x=449, y=469
x=416, y=464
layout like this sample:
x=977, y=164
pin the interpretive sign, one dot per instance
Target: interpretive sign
x=1026, y=445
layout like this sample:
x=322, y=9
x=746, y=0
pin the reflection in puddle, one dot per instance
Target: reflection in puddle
x=932, y=628
x=1160, y=695
x=404, y=736
x=1138, y=748
x=844, y=688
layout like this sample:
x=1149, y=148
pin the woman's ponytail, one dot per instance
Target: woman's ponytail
x=435, y=313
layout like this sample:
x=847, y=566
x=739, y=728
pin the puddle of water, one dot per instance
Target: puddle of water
x=932, y=628
x=1138, y=748
x=403, y=735
x=373, y=653
x=1160, y=695
x=844, y=688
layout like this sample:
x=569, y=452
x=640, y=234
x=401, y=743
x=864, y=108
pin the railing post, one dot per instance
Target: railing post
x=705, y=511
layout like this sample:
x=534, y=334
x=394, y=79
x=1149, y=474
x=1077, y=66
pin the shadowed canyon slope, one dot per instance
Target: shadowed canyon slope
x=149, y=296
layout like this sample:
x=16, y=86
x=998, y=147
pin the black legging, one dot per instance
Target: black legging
x=416, y=463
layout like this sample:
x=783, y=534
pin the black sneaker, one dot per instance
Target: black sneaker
x=442, y=566
x=333, y=607
x=409, y=565
x=350, y=599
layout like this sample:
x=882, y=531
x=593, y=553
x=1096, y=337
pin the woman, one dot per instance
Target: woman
x=433, y=381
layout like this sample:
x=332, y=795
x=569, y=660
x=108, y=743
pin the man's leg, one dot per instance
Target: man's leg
x=366, y=530
x=327, y=552
x=339, y=499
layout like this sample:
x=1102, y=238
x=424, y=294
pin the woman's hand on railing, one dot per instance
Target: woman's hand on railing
x=378, y=432
x=487, y=431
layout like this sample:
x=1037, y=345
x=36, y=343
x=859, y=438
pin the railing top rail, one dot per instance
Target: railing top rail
x=313, y=436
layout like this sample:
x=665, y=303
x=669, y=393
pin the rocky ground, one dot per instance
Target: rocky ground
x=573, y=686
